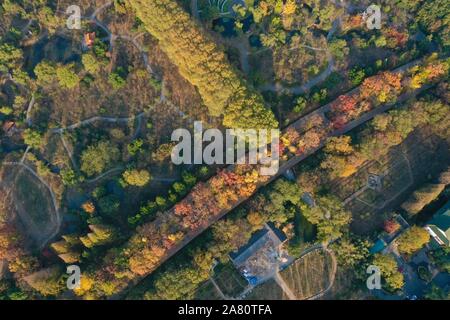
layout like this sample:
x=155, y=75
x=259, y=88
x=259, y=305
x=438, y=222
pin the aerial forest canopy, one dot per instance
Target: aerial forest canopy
x=204, y=65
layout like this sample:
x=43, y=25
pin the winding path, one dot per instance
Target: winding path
x=301, y=89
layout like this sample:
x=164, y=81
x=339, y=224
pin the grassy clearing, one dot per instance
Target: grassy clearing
x=309, y=275
x=33, y=200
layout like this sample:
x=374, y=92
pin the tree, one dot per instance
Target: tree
x=412, y=240
x=45, y=72
x=137, y=178
x=422, y=197
x=116, y=80
x=135, y=146
x=351, y=251
x=47, y=282
x=101, y=234
x=389, y=270
x=300, y=105
x=90, y=63
x=10, y=56
x=339, y=145
x=385, y=87
x=32, y=138
x=67, y=78
x=204, y=65
x=96, y=158
x=391, y=226
x=339, y=49
x=356, y=76
x=330, y=217
x=109, y=204
x=436, y=293
x=88, y=207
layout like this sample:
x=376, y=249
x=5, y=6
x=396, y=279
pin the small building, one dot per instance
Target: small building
x=9, y=127
x=439, y=226
x=261, y=255
x=89, y=39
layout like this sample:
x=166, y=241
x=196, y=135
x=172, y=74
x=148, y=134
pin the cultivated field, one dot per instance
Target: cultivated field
x=269, y=290
x=309, y=275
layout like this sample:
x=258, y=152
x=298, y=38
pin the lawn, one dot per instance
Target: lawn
x=309, y=275
x=34, y=205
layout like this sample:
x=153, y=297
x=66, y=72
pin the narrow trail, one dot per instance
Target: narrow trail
x=279, y=280
x=66, y=147
x=194, y=9
x=103, y=175
x=278, y=87
x=28, y=119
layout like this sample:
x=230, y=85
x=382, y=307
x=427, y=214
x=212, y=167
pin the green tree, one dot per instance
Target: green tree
x=330, y=217
x=45, y=72
x=10, y=57
x=67, y=78
x=351, y=251
x=96, y=158
x=436, y=293
x=389, y=271
x=32, y=138
x=109, y=204
x=90, y=63
x=116, y=80
x=339, y=49
x=422, y=197
x=48, y=282
x=137, y=178
x=412, y=240
x=204, y=65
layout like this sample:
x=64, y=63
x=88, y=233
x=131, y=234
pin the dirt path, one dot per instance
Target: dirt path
x=28, y=119
x=279, y=280
x=103, y=175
